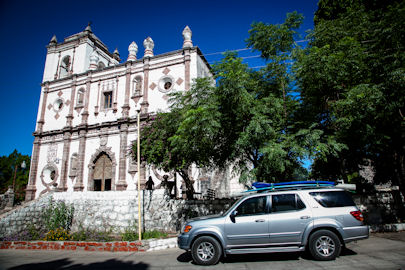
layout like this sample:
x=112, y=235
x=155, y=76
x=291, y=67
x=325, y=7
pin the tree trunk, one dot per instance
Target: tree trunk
x=189, y=185
x=399, y=159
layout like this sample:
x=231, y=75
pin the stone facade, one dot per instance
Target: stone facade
x=88, y=108
x=115, y=210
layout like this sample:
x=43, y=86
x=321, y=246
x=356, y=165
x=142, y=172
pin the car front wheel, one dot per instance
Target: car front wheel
x=324, y=245
x=206, y=250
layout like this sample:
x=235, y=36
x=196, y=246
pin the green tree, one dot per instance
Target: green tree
x=352, y=80
x=10, y=166
x=247, y=119
x=173, y=142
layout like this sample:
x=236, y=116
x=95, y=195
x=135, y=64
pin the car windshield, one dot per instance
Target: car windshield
x=229, y=209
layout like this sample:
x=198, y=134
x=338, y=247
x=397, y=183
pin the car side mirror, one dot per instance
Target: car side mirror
x=233, y=215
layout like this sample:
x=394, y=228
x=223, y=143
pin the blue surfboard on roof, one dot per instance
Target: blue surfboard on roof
x=261, y=186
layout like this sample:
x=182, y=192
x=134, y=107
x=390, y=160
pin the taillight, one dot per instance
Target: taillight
x=357, y=215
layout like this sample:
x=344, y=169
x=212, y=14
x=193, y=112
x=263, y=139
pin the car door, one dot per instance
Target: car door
x=288, y=219
x=250, y=226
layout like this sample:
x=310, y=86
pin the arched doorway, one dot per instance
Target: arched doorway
x=102, y=174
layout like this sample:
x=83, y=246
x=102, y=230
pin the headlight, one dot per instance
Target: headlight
x=186, y=228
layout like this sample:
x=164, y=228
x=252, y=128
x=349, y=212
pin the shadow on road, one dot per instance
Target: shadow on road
x=67, y=264
x=263, y=257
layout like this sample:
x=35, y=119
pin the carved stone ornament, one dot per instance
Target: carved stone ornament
x=187, y=37
x=49, y=176
x=149, y=45
x=93, y=60
x=132, y=50
x=52, y=153
x=103, y=141
x=74, y=160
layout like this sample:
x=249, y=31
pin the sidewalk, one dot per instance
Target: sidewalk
x=397, y=236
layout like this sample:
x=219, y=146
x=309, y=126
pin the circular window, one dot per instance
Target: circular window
x=165, y=84
x=58, y=105
x=49, y=174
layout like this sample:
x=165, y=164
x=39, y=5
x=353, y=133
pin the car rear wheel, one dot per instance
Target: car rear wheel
x=206, y=250
x=324, y=245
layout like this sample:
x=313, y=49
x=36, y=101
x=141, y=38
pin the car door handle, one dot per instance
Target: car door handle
x=305, y=217
x=259, y=220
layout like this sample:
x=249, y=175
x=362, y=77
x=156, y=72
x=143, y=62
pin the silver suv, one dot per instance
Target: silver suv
x=320, y=220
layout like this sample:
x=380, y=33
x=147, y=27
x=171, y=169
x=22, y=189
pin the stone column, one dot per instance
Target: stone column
x=69, y=117
x=122, y=183
x=80, y=170
x=125, y=107
x=187, y=59
x=31, y=187
x=145, y=103
x=65, y=161
x=85, y=114
x=41, y=120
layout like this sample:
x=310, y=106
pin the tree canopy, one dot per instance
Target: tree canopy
x=351, y=78
x=8, y=166
x=339, y=100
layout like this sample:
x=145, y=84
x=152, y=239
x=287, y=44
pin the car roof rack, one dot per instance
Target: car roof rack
x=268, y=187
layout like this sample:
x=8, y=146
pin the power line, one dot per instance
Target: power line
x=236, y=50
x=245, y=49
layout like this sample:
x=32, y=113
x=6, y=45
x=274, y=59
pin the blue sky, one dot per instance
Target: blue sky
x=27, y=26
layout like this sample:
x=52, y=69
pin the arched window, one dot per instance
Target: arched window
x=65, y=67
x=137, y=85
x=80, y=97
x=100, y=65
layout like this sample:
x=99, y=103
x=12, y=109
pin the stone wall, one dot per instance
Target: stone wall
x=118, y=210
x=114, y=210
x=6, y=200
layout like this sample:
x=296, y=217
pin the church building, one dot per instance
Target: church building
x=88, y=109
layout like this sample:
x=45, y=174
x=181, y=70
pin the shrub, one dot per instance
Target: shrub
x=60, y=234
x=153, y=234
x=85, y=234
x=130, y=233
x=58, y=215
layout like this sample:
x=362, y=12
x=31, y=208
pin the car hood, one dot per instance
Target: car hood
x=204, y=218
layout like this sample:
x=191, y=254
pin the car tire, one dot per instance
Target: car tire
x=206, y=250
x=324, y=245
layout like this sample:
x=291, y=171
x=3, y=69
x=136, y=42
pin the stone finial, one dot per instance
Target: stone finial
x=187, y=37
x=149, y=45
x=93, y=60
x=88, y=28
x=132, y=50
x=116, y=55
x=53, y=41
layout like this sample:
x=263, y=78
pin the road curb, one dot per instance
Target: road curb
x=396, y=227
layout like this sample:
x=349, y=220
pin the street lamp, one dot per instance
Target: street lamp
x=139, y=172
x=23, y=166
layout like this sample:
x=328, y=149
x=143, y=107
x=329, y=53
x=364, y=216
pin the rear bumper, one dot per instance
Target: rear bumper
x=183, y=241
x=356, y=233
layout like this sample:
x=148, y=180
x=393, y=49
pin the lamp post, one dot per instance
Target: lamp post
x=23, y=166
x=138, y=157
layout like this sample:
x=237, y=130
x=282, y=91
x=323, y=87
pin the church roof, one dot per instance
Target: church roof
x=87, y=32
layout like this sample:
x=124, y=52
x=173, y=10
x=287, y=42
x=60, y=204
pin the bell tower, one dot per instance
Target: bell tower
x=76, y=54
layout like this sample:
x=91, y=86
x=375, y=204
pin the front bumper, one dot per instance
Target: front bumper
x=183, y=241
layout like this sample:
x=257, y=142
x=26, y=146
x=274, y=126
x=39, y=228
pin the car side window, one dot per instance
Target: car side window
x=286, y=202
x=253, y=206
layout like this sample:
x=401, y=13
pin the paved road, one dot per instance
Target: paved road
x=380, y=251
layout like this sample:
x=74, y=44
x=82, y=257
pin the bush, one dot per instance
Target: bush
x=92, y=235
x=130, y=233
x=60, y=234
x=153, y=234
x=57, y=215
